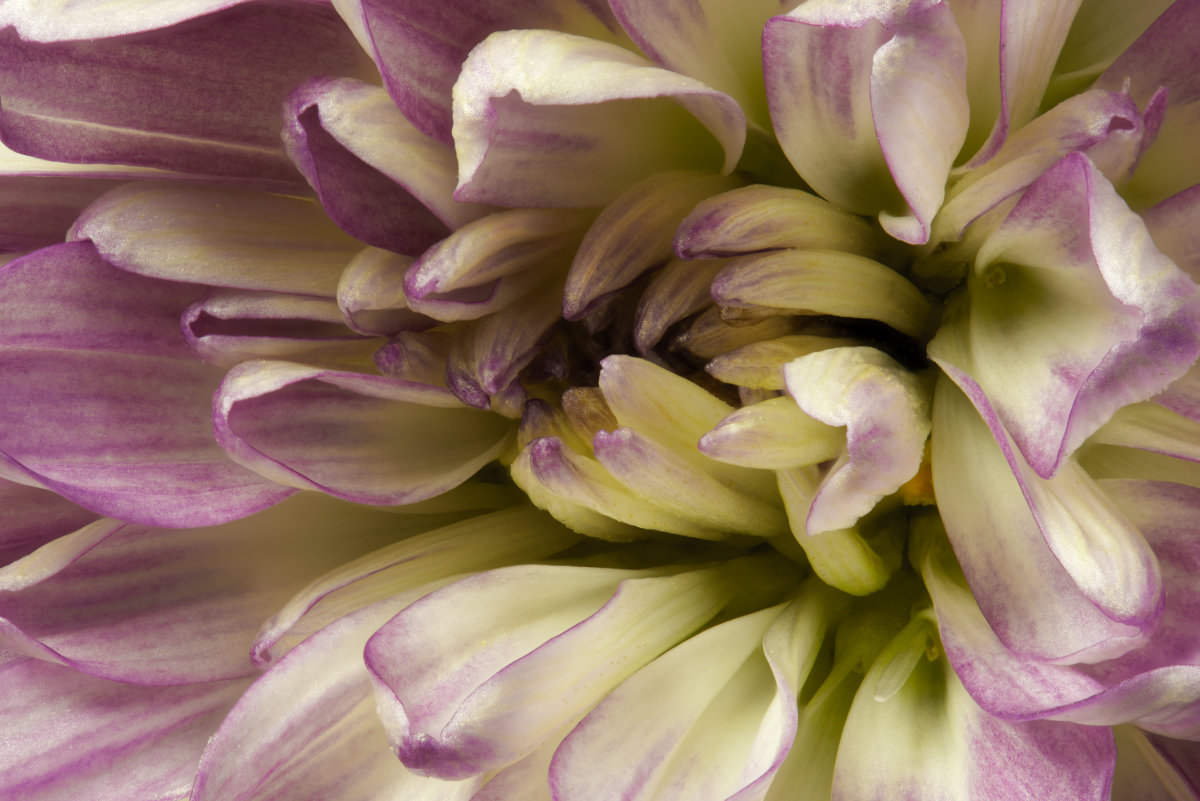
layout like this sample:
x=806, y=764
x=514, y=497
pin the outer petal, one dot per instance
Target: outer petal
x=885, y=409
x=480, y=674
x=1003, y=538
x=214, y=87
x=104, y=403
x=420, y=47
x=190, y=601
x=308, y=731
x=898, y=104
x=377, y=176
x=1069, y=314
x=223, y=237
x=1171, y=224
x=364, y=438
x=68, y=736
x=928, y=739
x=549, y=119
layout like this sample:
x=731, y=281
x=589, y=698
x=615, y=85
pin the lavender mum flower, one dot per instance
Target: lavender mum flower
x=583, y=400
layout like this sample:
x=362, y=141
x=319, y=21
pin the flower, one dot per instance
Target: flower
x=586, y=400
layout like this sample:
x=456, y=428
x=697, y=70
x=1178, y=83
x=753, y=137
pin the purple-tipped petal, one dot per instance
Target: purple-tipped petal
x=869, y=103
x=377, y=176
x=481, y=673
x=1069, y=314
x=678, y=290
x=885, y=411
x=363, y=438
x=548, y=119
x=103, y=401
x=371, y=295
x=222, y=237
x=1032, y=33
x=420, y=47
x=307, y=730
x=633, y=235
x=1058, y=579
x=928, y=737
x=1164, y=56
x=68, y=735
x=231, y=326
x=223, y=77
x=190, y=601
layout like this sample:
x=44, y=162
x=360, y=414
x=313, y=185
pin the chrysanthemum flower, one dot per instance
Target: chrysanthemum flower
x=583, y=400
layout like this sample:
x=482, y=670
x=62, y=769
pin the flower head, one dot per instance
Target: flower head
x=584, y=400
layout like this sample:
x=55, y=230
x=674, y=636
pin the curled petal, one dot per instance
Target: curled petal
x=774, y=434
x=364, y=438
x=678, y=290
x=64, y=20
x=882, y=141
x=1071, y=283
x=885, y=409
x=549, y=119
x=420, y=48
x=228, y=327
x=371, y=295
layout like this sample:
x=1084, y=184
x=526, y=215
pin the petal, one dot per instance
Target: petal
x=1032, y=34
x=885, y=409
x=307, y=730
x=774, y=435
x=37, y=212
x=1087, y=122
x=231, y=326
x=1164, y=56
x=897, y=105
x=929, y=737
x=377, y=176
x=759, y=365
x=655, y=473
x=483, y=542
x=671, y=731
x=68, y=735
x=1052, y=585
x=1069, y=313
x=1154, y=768
x=191, y=600
x=761, y=217
x=632, y=235
x=371, y=294
x=359, y=437
x=223, y=237
x=533, y=125
x=709, y=41
x=420, y=48
x=1170, y=225
x=487, y=264
x=138, y=443
x=63, y=20
x=223, y=77
x=31, y=518
x=825, y=282
x=481, y=673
